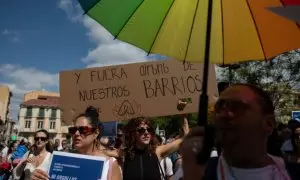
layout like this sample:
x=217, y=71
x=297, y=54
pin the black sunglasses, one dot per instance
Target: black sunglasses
x=143, y=130
x=82, y=130
x=234, y=105
x=40, y=138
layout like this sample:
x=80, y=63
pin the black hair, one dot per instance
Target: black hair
x=293, y=123
x=92, y=115
x=264, y=98
x=121, y=127
x=11, y=145
x=22, y=142
x=295, y=147
x=222, y=86
x=281, y=126
x=49, y=147
x=159, y=139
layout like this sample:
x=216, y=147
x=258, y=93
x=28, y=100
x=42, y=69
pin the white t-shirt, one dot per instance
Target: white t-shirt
x=287, y=146
x=178, y=175
x=271, y=172
x=4, y=152
x=45, y=165
x=214, y=153
x=168, y=169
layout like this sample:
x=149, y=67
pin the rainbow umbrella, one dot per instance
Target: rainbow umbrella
x=290, y=10
x=215, y=31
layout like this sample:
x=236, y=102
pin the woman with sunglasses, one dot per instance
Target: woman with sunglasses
x=84, y=136
x=142, y=155
x=37, y=159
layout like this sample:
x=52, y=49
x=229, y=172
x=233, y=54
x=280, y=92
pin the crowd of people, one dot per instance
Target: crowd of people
x=247, y=144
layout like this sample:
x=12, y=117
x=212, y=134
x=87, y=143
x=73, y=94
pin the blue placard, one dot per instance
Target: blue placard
x=110, y=129
x=296, y=115
x=69, y=166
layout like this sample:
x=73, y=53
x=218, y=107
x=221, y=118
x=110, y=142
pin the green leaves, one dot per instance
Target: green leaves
x=279, y=77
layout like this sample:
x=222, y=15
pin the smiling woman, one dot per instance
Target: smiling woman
x=39, y=158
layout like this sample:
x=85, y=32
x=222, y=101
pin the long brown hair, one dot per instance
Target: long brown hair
x=130, y=134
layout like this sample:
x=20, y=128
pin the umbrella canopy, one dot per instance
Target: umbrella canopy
x=290, y=10
x=241, y=30
x=290, y=2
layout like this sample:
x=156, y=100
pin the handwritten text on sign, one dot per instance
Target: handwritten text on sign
x=125, y=91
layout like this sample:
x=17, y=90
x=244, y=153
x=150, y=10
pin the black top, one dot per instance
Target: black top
x=143, y=166
x=294, y=170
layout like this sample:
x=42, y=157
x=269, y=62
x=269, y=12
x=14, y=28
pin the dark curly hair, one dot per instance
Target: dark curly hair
x=130, y=134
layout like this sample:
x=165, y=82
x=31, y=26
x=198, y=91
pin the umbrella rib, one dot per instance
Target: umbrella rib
x=137, y=7
x=223, y=39
x=85, y=12
x=285, y=6
x=162, y=22
x=191, y=31
x=259, y=37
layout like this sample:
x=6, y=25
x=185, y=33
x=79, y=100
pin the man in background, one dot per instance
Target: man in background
x=57, y=146
x=65, y=146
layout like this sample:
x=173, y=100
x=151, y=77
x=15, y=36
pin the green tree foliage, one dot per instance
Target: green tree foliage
x=171, y=124
x=280, y=77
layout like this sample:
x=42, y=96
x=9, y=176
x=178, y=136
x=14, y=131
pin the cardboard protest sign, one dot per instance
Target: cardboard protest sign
x=141, y=89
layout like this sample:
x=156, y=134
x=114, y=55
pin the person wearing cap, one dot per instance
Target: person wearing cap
x=19, y=152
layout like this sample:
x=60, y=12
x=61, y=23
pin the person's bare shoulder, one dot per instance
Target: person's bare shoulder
x=101, y=154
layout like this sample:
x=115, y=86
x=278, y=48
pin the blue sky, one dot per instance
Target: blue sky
x=40, y=38
x=45, y=38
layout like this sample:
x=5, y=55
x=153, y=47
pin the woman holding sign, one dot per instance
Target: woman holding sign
x=37, y=159
x=84, y=136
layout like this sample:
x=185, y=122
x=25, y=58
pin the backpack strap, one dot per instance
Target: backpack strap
x=211, y=169
x=160, y=168
x=165, y=165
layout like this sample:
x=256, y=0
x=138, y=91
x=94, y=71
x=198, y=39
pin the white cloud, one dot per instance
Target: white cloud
x=6, y=32
x=22, y=80
x=107, y=51
x=12, y=35
x=73, y=11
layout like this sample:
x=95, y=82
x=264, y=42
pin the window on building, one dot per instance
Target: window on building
x=53, y=114
x=41, y=113
x=29, y=112
x=40, y=124
x=52, y=124
x=27, y=124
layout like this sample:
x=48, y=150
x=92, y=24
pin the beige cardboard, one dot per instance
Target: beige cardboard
x=125, y=91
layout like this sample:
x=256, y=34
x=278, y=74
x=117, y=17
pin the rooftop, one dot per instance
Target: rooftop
x=42, y=101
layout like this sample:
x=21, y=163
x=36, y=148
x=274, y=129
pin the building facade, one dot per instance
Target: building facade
x=5, y=97
x=5, y=120
x=41, y=111
x=36, y=94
